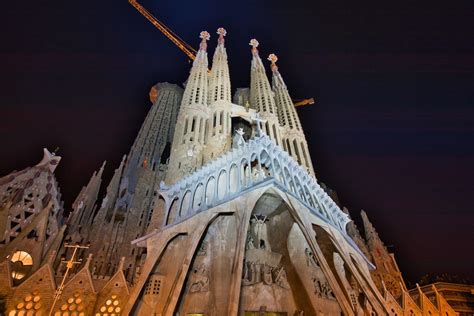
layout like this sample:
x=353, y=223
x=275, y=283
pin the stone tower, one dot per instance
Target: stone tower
x=219, y=136
x=125, y=211
x=30, y=216
x=294, y=141
x=189, y=138
x=84, y=209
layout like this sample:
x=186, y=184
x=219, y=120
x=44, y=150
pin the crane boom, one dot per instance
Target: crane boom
x=303, y=102
x=187, y=49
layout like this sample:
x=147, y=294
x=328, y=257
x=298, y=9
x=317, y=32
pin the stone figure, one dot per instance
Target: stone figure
x=201, y=280
x=202, y=251
x=327, y=291
x=259, y=231
x=317, y=286
x=322, y=289
x=250, y=273
x=279, y=277
x=258, y=174
x=245, y=276
x=163, y=185
x=311, y=260
x=267, y=274
x=250, y=244
x=257, y=273
x=238, y=138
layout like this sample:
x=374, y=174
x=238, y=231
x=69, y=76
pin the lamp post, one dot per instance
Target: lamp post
x=69, y=265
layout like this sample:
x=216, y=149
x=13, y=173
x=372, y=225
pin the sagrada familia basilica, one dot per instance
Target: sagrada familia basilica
x=216, y=210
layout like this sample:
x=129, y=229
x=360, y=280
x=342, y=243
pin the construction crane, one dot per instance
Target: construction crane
x=182, y=45
x=185, y=47
x=309, y=101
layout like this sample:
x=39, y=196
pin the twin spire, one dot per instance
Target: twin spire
x=206, y=87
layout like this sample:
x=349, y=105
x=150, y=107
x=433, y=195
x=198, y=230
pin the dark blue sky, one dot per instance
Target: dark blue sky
x=392, y=130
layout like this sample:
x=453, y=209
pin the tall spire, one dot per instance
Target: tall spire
x=219, y=84
x=219, y=124
x=85, y=203
x=370, y=233
x=156, y=132
x=261, y=94
x=286, y=110
x=111, y=195
x=294, y=141
x=189, y=137
x=387, y=269
x=196, y=88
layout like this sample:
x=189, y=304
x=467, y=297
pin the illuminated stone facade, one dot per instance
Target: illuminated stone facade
x=216, y=210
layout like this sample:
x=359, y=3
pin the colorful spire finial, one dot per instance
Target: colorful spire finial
x=273, y=58
x=205, y=36
x=254, y=43
x=222, y=32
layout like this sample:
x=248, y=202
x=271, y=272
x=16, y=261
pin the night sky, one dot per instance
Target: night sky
x=392, y=130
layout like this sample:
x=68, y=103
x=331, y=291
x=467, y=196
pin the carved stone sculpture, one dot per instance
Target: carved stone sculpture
x=322, y=289
x=267, y=274
x=279, y=277
x=201, y=280
x=250, y=244
x=202, y=251
x=311, y=260
x=258, y=227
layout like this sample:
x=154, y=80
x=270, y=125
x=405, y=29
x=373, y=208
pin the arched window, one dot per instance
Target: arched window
x=22, y=263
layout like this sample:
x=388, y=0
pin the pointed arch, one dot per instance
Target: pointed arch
x=173, y=211
x=185, y=204
x=198, y=197
x=210, y=190
x=233, y=178
x=222, y=184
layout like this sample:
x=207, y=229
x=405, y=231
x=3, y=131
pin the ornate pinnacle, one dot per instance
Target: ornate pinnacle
x=254, y=43
x=205, y=36
x=273, y=58
x=222, y=32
